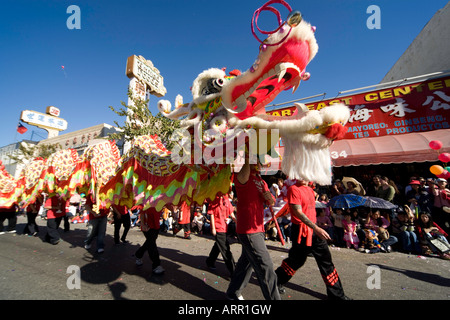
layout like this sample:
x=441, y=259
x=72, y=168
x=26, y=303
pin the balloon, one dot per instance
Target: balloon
x=443, y=174
x=447, y=175
x=444, y=157
x=435, y=144
x=436, y=169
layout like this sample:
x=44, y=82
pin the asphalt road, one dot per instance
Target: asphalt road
x=31, y=269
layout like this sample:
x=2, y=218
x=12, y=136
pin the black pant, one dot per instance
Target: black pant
x=52, y=235
x=118, y=222
x=222, y=246
x=186, y=227
x=12, y=220
x=297, y=258
x=31, y=226
x=150, y=246
x=66, y=223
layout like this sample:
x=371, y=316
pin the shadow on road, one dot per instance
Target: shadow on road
x=422, y=276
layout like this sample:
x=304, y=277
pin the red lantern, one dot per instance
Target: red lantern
x=444, y=157
x=435, y=144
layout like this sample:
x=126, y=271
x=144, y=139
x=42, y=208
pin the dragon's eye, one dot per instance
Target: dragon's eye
x=218, y=83
x=213, y=86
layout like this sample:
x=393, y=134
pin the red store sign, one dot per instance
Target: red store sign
x=416, y=107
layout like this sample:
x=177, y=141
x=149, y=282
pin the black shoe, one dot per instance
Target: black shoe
x=211, y=266
x=281, y=289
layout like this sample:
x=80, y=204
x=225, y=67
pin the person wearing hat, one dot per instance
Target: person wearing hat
x=353, y=186
x=417, y=198
x=441, y=204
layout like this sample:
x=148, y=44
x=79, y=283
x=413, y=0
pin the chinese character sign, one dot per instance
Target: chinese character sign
x=417, y=107
x=143, y=70
x=43, y=120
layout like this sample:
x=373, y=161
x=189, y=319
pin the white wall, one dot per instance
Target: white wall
x=429, y=52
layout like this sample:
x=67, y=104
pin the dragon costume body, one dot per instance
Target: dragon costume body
x=226, y=115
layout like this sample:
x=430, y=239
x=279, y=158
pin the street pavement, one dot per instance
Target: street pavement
x=31, y=269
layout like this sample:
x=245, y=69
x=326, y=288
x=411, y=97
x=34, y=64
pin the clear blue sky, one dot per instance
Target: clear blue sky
x=182, y=38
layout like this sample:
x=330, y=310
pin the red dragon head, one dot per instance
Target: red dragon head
x=227, y=106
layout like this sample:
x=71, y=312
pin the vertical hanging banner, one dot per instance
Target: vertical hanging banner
x=416, y=107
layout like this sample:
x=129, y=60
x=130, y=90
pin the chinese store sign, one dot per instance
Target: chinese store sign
x=43, y=120
x=416, y=107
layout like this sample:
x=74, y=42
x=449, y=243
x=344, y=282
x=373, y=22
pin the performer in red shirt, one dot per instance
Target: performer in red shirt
x=97, y=223
x=184, y=220
x=220, y=209
x=121, y=217
x=32, y=211
x=307, y=238
x=150, y=228
x=252, y=193
x=55, y=206
x=10, y=214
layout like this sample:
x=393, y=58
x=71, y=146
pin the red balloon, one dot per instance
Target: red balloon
x=444, y=157
x=447, y=175
x=435, y=144
x=443, y=174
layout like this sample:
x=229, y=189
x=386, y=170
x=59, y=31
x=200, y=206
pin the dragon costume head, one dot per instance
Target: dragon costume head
x=225, y=107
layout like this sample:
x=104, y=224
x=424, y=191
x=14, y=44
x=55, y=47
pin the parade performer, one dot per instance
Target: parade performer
x=121, y=218
x=184, y=221
x=55, y=206
x=219, y=210
x=250, y=231
x=308, y=238
x=98, y=220
x=32, y=211
x=10, y=214
x=150, y=228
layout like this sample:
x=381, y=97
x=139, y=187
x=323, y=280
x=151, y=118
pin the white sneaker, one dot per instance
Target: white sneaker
x=12, y=231
x=101, y=250
x=235, y=297
x=139, y=262
x=87, y=246
x=158, y=270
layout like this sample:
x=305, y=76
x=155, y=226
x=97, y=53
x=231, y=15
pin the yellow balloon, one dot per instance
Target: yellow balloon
x=436, y=169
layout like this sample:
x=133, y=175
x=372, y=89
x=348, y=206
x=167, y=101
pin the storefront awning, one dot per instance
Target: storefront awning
x=402, y=148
